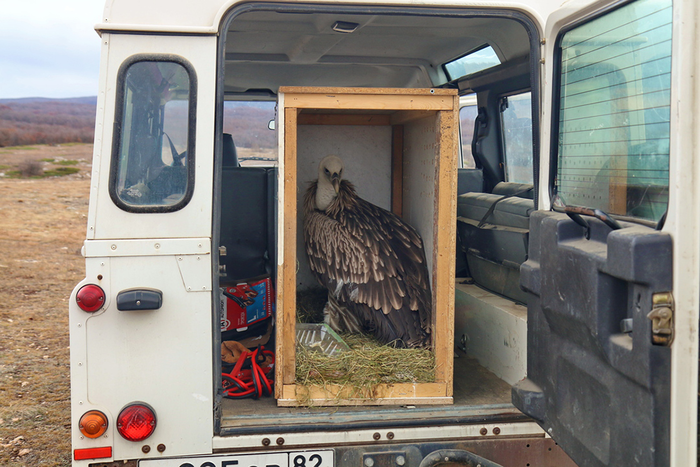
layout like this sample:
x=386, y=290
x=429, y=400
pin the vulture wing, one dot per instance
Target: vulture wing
x=373, y=263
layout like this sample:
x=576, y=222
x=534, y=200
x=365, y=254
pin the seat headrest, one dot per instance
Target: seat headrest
x=230, y=158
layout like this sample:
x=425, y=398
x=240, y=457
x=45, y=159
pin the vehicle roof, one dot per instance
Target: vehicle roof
x=204, y=16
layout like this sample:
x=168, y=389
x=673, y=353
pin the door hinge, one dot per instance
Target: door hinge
x=661, y=316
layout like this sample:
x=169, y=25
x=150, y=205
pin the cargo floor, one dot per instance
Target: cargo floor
x=479, y=396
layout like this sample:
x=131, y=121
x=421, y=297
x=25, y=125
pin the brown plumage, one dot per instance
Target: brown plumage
x=370, y=260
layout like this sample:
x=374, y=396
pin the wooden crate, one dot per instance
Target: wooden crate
x=410, y=138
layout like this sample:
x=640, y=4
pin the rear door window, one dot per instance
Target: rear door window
x=614, y=112
x=153, y=153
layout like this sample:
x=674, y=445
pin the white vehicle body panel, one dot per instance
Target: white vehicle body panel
x=105, y=219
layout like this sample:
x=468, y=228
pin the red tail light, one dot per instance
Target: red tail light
x=90, y=298
x=136, y=421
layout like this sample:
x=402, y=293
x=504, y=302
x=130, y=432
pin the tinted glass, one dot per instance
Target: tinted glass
x=613, y=149
x=152, y=159
x=471, y=63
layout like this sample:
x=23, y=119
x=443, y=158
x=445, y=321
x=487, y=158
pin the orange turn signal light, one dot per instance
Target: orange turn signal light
x=93, y=424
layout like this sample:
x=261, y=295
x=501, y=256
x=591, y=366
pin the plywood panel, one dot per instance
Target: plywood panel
x=344, y=119
x=286, y=285
x=444, y=243
x=424, y=393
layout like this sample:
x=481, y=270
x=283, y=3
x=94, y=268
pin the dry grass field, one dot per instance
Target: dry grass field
x=42, y=227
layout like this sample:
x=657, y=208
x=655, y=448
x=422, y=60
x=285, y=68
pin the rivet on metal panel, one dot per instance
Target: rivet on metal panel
x=496, y=431
x=161, y=447
x=369, y=462
x=145, y=448
x=484, y=431
x=390, y=435
x=99, y=277
x=157, y=246
x=114, y=247
x=266, y=441
x=280, y=441
x=376, y=436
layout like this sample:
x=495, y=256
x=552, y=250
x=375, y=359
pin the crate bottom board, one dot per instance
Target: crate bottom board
x=383, y=394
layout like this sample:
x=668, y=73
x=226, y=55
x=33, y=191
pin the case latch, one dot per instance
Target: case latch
x=661, y=316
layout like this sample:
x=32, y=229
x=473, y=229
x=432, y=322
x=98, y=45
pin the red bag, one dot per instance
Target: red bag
x=246, y=303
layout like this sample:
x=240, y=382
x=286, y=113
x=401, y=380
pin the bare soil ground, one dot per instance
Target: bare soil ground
x=42, y=227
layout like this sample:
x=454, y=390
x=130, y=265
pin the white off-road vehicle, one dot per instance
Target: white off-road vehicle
x=562, y=226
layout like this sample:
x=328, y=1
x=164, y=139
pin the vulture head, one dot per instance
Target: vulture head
x=330, y=173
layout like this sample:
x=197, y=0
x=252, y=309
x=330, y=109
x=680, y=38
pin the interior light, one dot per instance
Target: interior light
x=90, y=298
x=345, y=27
x=136, y=421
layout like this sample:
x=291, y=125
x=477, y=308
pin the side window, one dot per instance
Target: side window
x=614, y=111
x=152, y=166
x=467, y=116
x=247, y=123
x=516, y=122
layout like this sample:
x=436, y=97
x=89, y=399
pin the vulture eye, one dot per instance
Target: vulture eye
x=327, y=172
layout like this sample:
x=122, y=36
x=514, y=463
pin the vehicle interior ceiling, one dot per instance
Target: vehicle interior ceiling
x=268, y=49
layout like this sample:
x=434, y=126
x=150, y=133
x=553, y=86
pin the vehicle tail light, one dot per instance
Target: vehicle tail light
x=136, y=421
x=90, y=298
x=93, y=424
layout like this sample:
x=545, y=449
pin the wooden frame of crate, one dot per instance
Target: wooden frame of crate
x=425, y=135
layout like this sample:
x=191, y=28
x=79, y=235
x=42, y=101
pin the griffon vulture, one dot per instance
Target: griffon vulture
x=369, y=259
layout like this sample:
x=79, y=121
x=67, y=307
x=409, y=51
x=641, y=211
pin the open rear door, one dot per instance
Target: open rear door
x=600, y=272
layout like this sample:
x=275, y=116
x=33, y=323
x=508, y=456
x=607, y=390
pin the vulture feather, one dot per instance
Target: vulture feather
x=370, y=260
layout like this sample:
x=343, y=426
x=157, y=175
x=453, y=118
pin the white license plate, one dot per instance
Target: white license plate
x=273, y=459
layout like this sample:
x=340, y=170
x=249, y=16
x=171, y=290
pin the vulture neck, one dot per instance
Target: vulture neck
x=325, y=194
x=330, y=202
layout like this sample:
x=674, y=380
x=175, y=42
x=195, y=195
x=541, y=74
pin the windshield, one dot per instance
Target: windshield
x=248, y=124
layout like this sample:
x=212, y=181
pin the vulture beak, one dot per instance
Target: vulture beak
x=335, y=181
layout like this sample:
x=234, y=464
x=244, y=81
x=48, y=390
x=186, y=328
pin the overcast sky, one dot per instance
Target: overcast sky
x=49, y=48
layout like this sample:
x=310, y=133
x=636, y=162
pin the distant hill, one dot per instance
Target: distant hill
x=70, y=100
x=37, y=120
